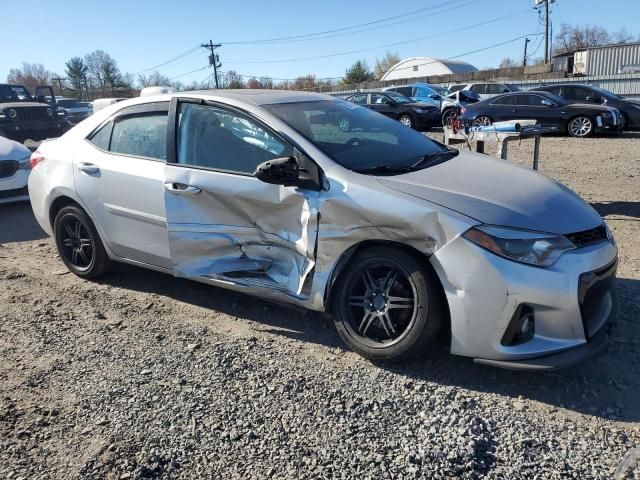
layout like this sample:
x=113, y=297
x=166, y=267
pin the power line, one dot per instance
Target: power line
x=381, y=46
x=412, y=19
x=290, y=37
x=193, y=49
x=187, y=73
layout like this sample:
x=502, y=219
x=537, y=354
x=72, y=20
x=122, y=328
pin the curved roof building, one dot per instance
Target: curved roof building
x=425, y=67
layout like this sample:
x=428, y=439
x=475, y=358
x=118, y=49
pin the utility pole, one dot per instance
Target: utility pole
x=214, y=59
x=546, y=31
x=59, y=80
x=524, y=58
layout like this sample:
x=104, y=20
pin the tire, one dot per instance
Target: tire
x=625, y=122
x=406, y=120
x=79, y=244
x=581, y=126
x=385, y=317
x=482, y=121
x=448, y=117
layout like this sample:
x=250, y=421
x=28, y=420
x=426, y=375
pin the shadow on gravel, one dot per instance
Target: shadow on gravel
x=279, y=319
x=627, y=209
x=606, y=386
x=17, y=223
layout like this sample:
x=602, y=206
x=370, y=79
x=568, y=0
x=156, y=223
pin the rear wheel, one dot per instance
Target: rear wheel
x=406, y=120
x=79, y=244
x=580, y=127
x=388, y=305
x=449, y=116
x=482, y=121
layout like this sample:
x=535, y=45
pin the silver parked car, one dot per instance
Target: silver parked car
x=14, y=171
x=398, y=236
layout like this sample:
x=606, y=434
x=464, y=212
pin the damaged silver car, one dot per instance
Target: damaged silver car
x=399, y=237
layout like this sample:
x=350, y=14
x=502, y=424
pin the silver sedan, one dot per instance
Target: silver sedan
x=403, y=240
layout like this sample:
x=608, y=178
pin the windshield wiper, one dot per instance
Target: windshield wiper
x=432, y=159
x=390, y=169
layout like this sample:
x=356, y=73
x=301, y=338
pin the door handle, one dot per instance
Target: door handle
x=181, y=189
x=89, y=168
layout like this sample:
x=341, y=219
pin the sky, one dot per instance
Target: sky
x=143, y=34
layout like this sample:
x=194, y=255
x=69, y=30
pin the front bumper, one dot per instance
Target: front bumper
x=14, y=188
x=484, y=291
x=35, y=129
x=428, y=119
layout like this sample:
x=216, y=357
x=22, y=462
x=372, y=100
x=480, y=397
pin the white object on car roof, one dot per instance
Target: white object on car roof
x=100, y=103
x=159, y=90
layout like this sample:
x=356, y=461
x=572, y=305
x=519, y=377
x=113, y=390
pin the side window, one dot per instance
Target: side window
x=494, y=88
x=377, y=99
x=143, y=135
x=506, y=100
x=406, y=91
x=522, y=100
x=360, y=99
x=479, y=88
x=554, y=90
x=536, y=100
x=576, y=93
x=102, y=137
x=221, y=139
x=455, y=88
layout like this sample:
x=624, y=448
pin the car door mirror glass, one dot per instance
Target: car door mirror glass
x=548, y=103
x=279, y=171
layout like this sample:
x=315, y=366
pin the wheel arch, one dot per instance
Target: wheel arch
x=577, y=115
x=347, y=256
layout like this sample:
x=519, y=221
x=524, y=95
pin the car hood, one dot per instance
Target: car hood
x=497, y=192
x=22, y=105
x=589, y=106
x=10, y=150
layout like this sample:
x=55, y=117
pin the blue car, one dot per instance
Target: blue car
x=421, y=92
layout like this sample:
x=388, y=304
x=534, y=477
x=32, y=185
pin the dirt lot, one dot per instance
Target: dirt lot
x=140, y=375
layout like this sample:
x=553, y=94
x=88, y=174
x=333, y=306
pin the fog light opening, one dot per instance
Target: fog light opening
x=521, y=329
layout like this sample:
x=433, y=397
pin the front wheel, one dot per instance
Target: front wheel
x=388, y=305
x=448, y=117
x=580, y=127
x=406, y=120
x=79, y=244
x=482, y=121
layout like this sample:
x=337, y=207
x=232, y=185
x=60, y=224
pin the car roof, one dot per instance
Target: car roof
x=256, y=96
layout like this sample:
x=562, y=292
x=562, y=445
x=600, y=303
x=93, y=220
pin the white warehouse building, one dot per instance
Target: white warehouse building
x=415, y=67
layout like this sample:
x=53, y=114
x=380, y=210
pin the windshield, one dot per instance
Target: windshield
x=606, y=93
x=70, y=103
x=399, y=98
x=14, y=93
x=358, y=138
x=439, y=90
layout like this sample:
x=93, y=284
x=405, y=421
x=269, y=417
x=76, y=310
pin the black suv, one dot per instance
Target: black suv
x=573, y=93
x=416, y=115
x=22, y=116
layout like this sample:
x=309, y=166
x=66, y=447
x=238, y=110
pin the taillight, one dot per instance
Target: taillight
x=36, y=158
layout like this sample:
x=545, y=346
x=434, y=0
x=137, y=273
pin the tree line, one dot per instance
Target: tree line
x=97, y=73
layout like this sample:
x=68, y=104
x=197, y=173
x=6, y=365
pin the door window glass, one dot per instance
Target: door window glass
x=576, y=93
x=406, y=91
x=102, y=137
x=479, y=88
x=506, y=100
x=360, y=99
x=221, y=139
x=377, y=99
x=141, y=135
x=455, y=88
x=494, y=88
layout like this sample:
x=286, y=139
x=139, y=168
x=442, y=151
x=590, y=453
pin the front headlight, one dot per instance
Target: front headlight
x=23, y=163
x=524, y=246
x=422, y=110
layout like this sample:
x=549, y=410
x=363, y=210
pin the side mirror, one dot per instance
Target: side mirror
x=279, y=171
x=505, y=90
x=594, y=99
x=548, y=103
x=435, y=96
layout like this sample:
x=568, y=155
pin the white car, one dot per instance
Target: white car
x=14, y=171
x=483, y=89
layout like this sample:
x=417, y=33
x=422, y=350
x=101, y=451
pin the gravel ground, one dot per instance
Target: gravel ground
x=140, y=375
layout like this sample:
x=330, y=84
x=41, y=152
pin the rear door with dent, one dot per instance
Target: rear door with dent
x=224, y=223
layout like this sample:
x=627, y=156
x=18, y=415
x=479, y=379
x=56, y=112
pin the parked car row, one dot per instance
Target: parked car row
x=577, y=110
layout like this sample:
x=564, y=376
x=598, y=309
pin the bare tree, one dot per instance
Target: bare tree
x=153, y=80
x=508, y=63
x=32, y=75
x=622, y=36
x=103, y=71
x=385, y=63
x=233, y=80
x=576, y=37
